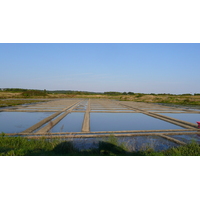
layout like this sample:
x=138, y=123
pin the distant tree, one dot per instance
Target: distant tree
x=188, y=94
x=140, y=95
x=131, y=93
x=30, y=93
x=14, y=90
x=113, y=93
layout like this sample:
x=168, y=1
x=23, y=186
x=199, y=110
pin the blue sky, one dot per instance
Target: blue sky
x=137, y=67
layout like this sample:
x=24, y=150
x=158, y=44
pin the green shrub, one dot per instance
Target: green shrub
x=30, y=93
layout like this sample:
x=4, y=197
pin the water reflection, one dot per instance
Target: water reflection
x=187, y=138
x=189, y=117
x=15, y=122
x=131, y=144
x=127, y=121
x=71, y=123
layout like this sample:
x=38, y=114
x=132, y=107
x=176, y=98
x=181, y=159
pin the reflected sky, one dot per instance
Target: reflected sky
x=189, y=117
x=71, y=123
x=127, y=121
x=187, y=138
x=15, y=122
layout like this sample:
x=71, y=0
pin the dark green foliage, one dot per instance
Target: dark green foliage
x=188, y=94
x=192, y=149
x=72, y=92
x=112, y=147
x=14, y=90
x=64, y=148
x=113, y=93
x=131, y=93
x=163, y=94
x=30, y=93
x=140, y=95
x=20, y=146
x=106, y=148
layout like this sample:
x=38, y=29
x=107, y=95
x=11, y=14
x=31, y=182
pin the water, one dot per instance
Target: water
x=71, y=123
x=15, y=122
x=187, y=138
x=36, y=130
x=139, y=143
x=86, y=143
x=135, y=143
x=189, y=117
x=127, y=121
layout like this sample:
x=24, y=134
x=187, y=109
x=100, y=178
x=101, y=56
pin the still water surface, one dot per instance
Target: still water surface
x=71, y=123
x=15, y=122
x=189, y=117
x=127, y=121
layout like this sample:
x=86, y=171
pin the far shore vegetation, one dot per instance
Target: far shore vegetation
x=23, y=96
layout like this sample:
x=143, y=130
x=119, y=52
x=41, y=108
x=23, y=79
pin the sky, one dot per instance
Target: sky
x=100, y=67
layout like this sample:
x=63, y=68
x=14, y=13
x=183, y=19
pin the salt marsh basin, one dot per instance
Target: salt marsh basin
x=97, y=118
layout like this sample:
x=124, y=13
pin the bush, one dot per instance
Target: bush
x=139, y=95
x=30, y=93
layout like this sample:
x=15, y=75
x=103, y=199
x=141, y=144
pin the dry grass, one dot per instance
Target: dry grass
x=148, y=98
x=8, y=95
x=176, y=99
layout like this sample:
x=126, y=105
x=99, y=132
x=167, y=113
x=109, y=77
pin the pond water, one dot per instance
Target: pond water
x=189, y=117
x=127, y=121
x=71, y=123
x=135, y=143
x=36, y=130
x=187, y=138
x=139, y=143
x=15, y=122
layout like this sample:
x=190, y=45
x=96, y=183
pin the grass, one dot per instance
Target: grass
x=184, y=99
x=21, y=146
x=169, y=99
